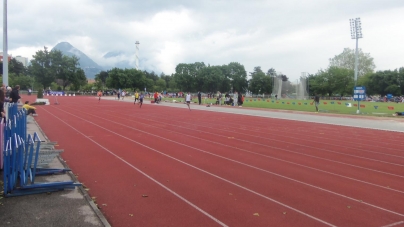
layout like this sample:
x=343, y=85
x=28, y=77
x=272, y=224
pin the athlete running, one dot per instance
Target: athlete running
x=136, y=97
x=188, y=100
x=99, y=94
x=141, y=100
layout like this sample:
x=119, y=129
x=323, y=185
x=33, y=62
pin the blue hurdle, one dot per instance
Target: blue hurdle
x=20, y=158
x=20, y=170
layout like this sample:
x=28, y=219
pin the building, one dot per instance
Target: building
x=1, y=57
x=23, y=60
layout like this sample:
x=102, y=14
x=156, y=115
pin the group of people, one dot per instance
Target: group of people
x=12, y=95
x=138, y=97
x=121, y=94
x=235, y=100
x=157, y=97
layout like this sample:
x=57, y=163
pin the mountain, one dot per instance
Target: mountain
x=113, y=54
x=120, y=59
x=87, y=64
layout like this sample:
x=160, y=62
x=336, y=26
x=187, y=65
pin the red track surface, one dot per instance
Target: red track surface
x=201, y=168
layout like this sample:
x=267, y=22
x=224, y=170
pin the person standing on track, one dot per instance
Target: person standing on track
x=188, y=99
x=316, y=100
x=199, y=97
x=141, y=99
x=99, y=94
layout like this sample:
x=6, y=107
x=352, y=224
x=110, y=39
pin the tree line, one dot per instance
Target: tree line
x=53, y=69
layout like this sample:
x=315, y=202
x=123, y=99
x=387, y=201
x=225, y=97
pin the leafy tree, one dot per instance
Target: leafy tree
x=148, y=84
x=66, y=69
x=41, y=67
x=102, y=77
x=151, y=75
x=211, y=78
x=172, y=85
x=183, y=77
x=238, y=76
x=333, y=81
x=79, y=79
x=166, y=78
x=271, y=72
x=137, y=79
x=25, y=82
x=259, y=82
x=160, y=85
x=347, y=60
x=319, y=83
x=342, y=79
x=383, y=82
x=15, y=67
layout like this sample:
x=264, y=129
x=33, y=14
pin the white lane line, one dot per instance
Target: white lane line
x=204, y=171
x=308, y=140
x=266, y=156
x=231, y=160
x=231, y=125
x=285, y=142
x=394, y=224
x=282, y=149
x=149, y=177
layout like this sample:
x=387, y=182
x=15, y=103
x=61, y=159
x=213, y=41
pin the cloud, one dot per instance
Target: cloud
x=291, y=36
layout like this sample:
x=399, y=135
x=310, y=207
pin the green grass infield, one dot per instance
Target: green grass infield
x=326, y=106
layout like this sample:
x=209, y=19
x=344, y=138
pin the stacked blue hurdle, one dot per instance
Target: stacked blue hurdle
x=20, y=158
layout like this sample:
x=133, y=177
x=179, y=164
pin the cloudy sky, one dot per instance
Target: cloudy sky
x=292, y=36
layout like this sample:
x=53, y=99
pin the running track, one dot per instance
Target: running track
x=164, y=166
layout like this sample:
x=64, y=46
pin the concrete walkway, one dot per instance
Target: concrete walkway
x=65, y=208
x=395, y=124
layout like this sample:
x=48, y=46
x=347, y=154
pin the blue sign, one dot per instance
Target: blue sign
x=56, y=92
x=359, y=93
x=389, y=96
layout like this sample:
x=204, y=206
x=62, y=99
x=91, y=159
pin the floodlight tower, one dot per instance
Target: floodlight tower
x=137, y=55
x=356, y=33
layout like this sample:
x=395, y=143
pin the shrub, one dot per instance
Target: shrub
x=40, y=94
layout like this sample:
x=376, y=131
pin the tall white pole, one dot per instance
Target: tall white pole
x=137, y=55
x=356, y=52
x=5, y=51
x=356, y=33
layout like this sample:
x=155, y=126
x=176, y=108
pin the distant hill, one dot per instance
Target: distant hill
x=87, y=64
x=120, y=59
